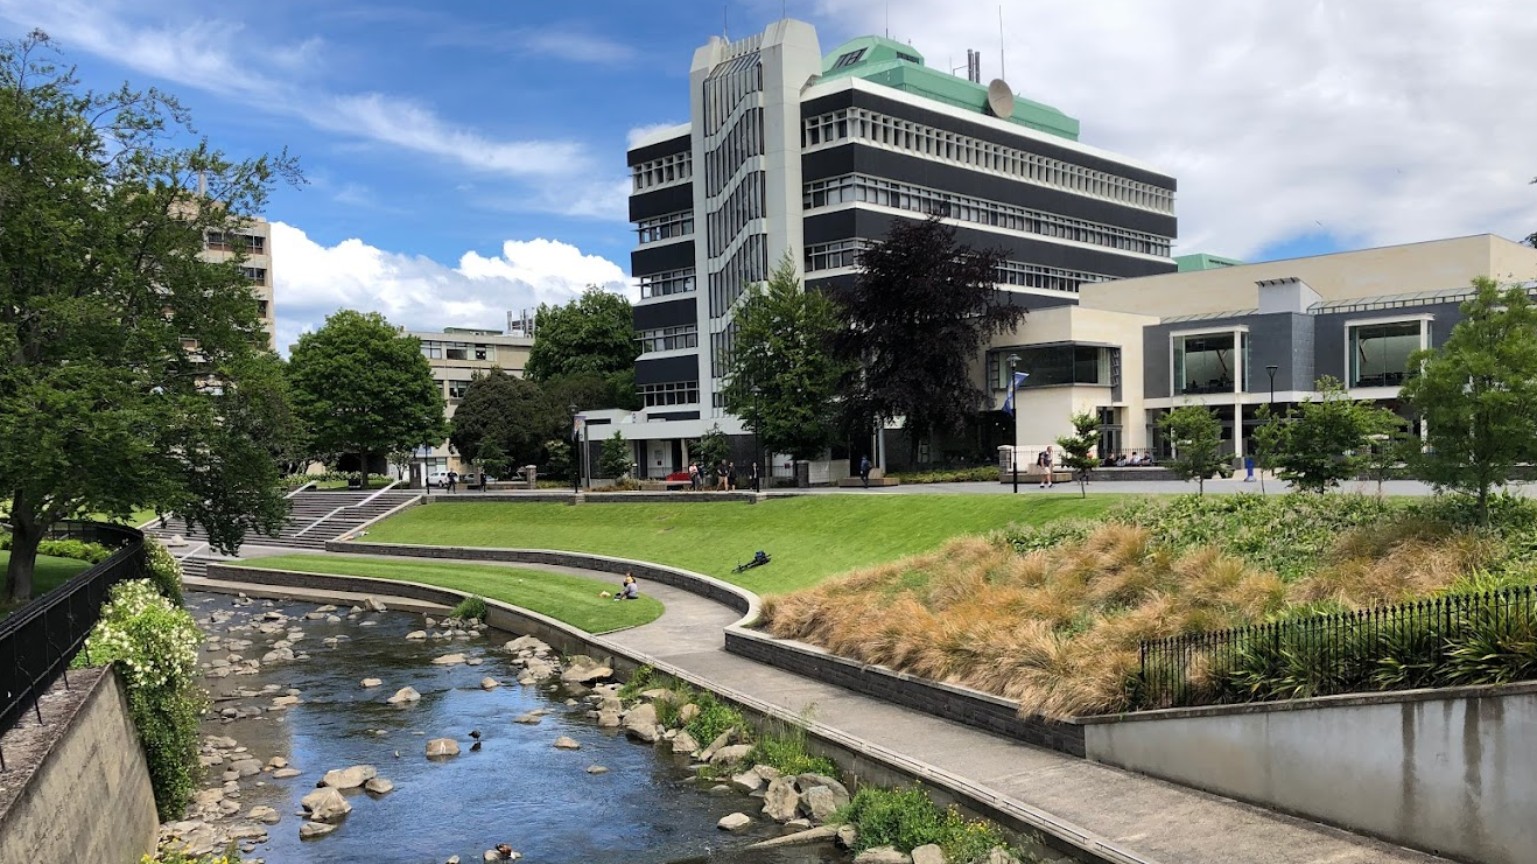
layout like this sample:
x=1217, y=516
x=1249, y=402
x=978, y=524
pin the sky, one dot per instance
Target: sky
x=466, y=158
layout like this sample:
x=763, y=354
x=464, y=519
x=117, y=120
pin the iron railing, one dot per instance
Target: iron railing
x=1483, y=638
x=38, y=641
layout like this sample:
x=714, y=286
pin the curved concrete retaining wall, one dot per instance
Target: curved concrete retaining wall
x=679, y=497
x=1453, y=771
x=961, y=704
x=90, y=798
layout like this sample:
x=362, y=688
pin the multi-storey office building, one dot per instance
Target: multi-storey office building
x=789, y=152
x=457, y=355
x=254, y=239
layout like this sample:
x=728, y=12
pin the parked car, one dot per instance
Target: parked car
x=438, y=478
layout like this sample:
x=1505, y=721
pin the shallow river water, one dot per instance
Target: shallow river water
x=517, y=789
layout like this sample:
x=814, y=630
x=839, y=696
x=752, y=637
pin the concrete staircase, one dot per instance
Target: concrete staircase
x=314, y=518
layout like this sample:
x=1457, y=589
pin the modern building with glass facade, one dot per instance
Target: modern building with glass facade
x=790, y=152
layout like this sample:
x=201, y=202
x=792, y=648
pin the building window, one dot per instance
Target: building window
x=666, y=171
x=669, y=338
x=257, y=275
x=456, y=389
x=835, y=256
x=261, y=308
x=664, y=284
x=457, y=351
x=680, y=224
x=1379, y=353
x=671, y=393
x=1053, y=366
x=485, y=352
x=1204, y=364
x=850, y=58
x=251, y=244
x=432, y=350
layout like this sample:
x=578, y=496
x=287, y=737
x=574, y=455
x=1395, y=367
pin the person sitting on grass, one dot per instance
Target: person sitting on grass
x=629, y=589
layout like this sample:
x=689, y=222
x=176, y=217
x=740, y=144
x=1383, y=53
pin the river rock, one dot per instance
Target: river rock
x=684, y=743
x=802, y=835
x=282, y=702
x=489, y=683
x=449, y=660
x=285, y=773
x=767, y=772
x=720, y=741
x=781, y=801
x=325, y=805
x=640, y=723
x=207, y=797
x=532, y=718
x=882, y=855
x=442, y=747
x=538, y=670
x=374, y=604
x=797, y=826
x=311, y=830
x=349, y=778
x=657, y=694
x=277, y=762
x=809, y=781
x=379, y=786
x=246, y=767
x=846, y=836
x=609, y=719
x=687, y=713
x=582, y=669
x=731, y=755
x=747, y=782
x=596, y=769
x=929, y=853
x=246, y=831
x=416, y=635
x=372, y=682
x=822, y=802
x=264, y=814
x=278, y=655
x=403, y=695
x=998, y=856
x=526, y=643
x=565, y=743
x=325, y=609
x=734, y=822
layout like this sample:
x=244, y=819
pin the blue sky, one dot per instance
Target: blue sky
x=465, y=158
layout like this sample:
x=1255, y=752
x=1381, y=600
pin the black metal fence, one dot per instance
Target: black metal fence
x=1486, y=638
x=38, y=641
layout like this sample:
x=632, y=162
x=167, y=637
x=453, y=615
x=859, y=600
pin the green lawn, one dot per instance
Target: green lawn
x=49, y=574
x=572, y=599
x=809, y=538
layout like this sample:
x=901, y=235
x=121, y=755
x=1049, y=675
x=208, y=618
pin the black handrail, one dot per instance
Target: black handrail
x=38, y=641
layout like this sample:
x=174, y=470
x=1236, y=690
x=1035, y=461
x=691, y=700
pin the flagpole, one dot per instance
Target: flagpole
x=1014, y=420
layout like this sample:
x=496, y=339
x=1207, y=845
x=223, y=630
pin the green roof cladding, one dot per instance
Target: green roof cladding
x=1204, y=261
x=894, y=64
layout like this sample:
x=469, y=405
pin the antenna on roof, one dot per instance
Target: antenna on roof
x=888, y=19
x=1003, y=64
x=725, y=21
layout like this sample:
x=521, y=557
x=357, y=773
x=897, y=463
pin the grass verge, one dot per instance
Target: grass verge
x=49, y=574
x=809, y=538
x=572, y=599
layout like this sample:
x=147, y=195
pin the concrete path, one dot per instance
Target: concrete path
x=1153, y=821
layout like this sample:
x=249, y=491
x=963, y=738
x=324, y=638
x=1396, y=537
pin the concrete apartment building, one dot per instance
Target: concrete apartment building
x=255, y=238
x=1215, y=333
x=792, y=152
x=457, y=355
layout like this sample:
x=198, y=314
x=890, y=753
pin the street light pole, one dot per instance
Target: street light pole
x=1272, y=370
x=1014, y=420
x=576, y=462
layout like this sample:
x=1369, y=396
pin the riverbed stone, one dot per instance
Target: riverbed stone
x=246, y=767
x=687, y=713
x=416, y=635
x=326, y=805
x=349, y=778
x=532, y=718
x=277, y=762
x=929, y=853
x=684, y=743
x=582, y=669
x=207, y=797
x=731, y=754
x=448, y=660
x=379, y=786
x=734, y=822
x=596, y=769
x=310, y=830
x=374, y=604
x=567, y=743
x=640, y=723
x=489, y=683
x=780, y=800
x=720, y=741
x=264, y=814
x=283, y=702
x=285, y=773
x=809, y=781
x=403, y=695
x=442, y=747
x=747, y=782
x=822, y=802
x=882, y=855
x=846, y=836
x=372, y=682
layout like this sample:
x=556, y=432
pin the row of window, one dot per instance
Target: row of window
x=457, y=351
x=748, y=265
x=665, y=227
x=1056, y=365
x=742, y=142
x=845, y=253
x=664, y=171
x=251, y=244
x=735, y=213
x=863, y=125
x=903, y=196
x=722, y=344
x=669, y=338
x=671, y=393
x=666, y=283
x=255, y=274
x=1378, y=357
x=730, y=82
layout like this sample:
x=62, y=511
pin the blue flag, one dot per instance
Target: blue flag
x=1008, y=401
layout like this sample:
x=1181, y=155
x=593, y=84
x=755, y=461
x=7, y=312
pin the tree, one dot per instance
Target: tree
x=363, y=387
x=508, y=412
x=1323, y=442
x=1078, y=448
x=102, y=284
x=588, y=391
x=558, y=459
x=1388, y=452
x=1196, y=434
x=1477, y=394
x=782, y=377
x=616, y=460
x=592, y=335
x=917, y=317
x=712, y=448
x=1267, y=441
x=494, y=461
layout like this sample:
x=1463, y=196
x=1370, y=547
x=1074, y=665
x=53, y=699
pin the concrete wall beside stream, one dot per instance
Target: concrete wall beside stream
x=1453, y=772
x=90, y=798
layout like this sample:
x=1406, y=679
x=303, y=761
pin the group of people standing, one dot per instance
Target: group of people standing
x=722, y=477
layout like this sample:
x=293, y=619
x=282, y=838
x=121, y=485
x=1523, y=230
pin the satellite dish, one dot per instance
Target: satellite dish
x=1000, y=99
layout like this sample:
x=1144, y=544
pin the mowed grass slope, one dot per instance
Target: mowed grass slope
x=49, y=573
x=809, y=538
x=572, y=599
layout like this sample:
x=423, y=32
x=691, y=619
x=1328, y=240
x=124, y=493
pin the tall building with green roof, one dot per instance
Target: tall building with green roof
x=790, y=150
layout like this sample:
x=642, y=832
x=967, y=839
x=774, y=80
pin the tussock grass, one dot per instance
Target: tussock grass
x=1058, y=628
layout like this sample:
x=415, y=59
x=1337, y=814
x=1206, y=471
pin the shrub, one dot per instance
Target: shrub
x=786, y=750
x=163, y=570
x=473, y=606
x=979, y=474
x=78, y=550
x=638, y=683
x=906, y=818
x=175, y=856
x=154, y=644
x=714, y=718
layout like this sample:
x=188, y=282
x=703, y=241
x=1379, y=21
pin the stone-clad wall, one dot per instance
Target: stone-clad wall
x=90, y=798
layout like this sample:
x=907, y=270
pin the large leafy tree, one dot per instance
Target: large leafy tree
x=505, y=418
x=592, y=335
x=1196, y=434
x=1477, y=394
x=103, y=407
x=783, y=378
x=1325, y=441
x=363, y=387
x=917, y=317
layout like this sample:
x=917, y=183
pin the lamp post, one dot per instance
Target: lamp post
x=1014, y=420
x=576, y=462
x=1271, y=369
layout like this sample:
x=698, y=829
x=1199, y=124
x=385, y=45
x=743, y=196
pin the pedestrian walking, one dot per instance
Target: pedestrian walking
x=453, y=481
x=1044, y=461
x=731, y=476
x=756, y=477
x=864, y=470
x=693, y=476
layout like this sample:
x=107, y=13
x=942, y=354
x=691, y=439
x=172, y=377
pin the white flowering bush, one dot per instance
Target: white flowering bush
x=163, y=569
x=154, y=643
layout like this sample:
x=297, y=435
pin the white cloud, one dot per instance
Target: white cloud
x=312, y=280
x=640, y=132
x=1376, y=121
